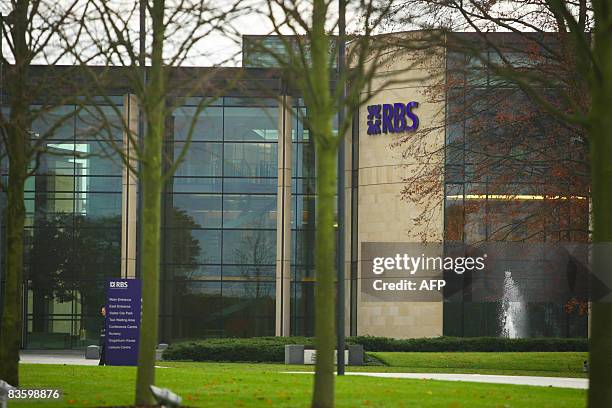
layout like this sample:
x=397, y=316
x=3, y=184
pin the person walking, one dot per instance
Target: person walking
x=103, y=337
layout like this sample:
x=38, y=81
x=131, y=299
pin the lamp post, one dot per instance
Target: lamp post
x=1, y=105
x=141, y=124
x=341, y=213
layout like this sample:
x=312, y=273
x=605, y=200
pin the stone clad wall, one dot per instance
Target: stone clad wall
x=383, y=215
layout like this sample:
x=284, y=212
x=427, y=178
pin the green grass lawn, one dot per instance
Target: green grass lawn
x=264, y=385
x=549, y=364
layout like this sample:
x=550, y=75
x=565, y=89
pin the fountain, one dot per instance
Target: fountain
x=512, y=313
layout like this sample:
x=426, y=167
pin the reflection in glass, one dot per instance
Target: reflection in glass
x=249, y=308
x=197, y=185
x=203, y=209
x=192, y=272
x=219, y=231
x=302, y=309
x=208, y=125
x=249, y=211
x=250, y=160
x=250, y=185
x=251, y=124
x=98, y=184
x=73, y=219
x=254, y=247
x=196, y=308
x=509, y=183
x=98, y=205
x=249, y=272
x=99, y=123
x=97, y=158
x=303, y=206
x=192, y=247
x=200, y=160
x=53, y=124
x=66, y=275
x=59, y=159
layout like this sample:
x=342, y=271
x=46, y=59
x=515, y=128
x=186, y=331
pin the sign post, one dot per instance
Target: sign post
x=122, y=323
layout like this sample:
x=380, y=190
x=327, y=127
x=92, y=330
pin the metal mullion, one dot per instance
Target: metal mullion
x=463, y=136
x=74, y=181
x=221, y=318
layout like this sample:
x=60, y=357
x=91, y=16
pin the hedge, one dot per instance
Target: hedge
x=254, y=349
x=272, y=349
x=482, y=344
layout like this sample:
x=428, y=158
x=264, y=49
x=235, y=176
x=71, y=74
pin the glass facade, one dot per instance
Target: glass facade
x=219, y=221
x=73, y=225
x=264, y=51
x=303, y=211
x=302, y=228
x=509, y=177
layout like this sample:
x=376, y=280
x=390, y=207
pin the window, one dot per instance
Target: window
x=219, y=224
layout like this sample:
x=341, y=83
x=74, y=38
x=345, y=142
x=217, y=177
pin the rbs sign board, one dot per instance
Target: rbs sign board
x=122, y=322
x=392, y=118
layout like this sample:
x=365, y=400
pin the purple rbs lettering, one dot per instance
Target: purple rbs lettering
x=392, y=118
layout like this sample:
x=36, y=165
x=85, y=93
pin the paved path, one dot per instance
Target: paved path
x=67, y=357
x=561, y=382
x=70, y=357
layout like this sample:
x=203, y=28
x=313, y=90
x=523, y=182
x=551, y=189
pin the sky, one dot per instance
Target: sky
x=214, y=49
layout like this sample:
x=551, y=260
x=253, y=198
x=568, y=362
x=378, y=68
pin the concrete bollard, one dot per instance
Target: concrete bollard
x=92, y=352
x=294, y=354
x=356, y=354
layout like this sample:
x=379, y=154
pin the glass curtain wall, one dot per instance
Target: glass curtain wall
x=505, y=160
x=303, y=209
x=302, y=227
x=219, y=221
x=73, y=224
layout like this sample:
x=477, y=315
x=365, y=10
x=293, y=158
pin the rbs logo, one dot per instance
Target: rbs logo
x=118, y=284
x=392, y=118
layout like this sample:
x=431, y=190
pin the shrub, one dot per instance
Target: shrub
x=272, y=349
x=254, y=349
x=482, y=344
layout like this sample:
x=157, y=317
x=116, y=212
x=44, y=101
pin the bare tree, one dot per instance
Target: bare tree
x=509, y=164
x=172, y=35
x=32, y=31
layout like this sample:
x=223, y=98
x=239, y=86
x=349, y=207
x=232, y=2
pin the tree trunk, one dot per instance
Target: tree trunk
x=151, y=181
x=18, y=150
x=600, y=138
x=149, y=273
x=325, y=303
x=600, y=347
x=11, y=327
x=320, y=108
